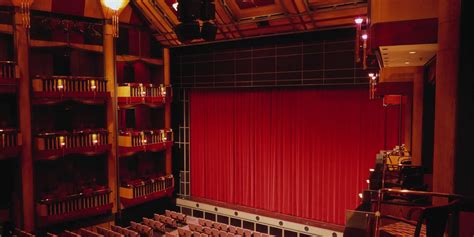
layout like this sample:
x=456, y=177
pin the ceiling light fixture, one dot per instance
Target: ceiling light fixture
x=113, y=4
x=175, y=6
x=407, y=62
x=371, y=74
x=365, y=36
x=412, y=52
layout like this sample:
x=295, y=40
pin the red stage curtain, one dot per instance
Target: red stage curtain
x=302, y=152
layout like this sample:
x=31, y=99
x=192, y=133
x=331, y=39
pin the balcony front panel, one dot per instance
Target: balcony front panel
x=53, y=89
x=139, y=191
x=55, y=210
x=131, y=142
x=58, y=144
x=10, y=143
x=8, y=77
x=132, y=94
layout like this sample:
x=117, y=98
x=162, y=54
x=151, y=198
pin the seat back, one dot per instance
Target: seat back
x=436, y=218
x=68, y=233
x=87, y=233
x=232, y=229
x=202, y=221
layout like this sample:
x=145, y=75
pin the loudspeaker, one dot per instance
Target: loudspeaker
x=187, y=31
x=208, y=31
x=189, y=10
x=208, y=10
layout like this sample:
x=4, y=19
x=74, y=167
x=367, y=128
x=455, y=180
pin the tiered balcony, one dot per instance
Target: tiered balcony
x=53, y=89
x=131, y=142
x=8, y=75
x=10, y=143
x=132, y=94
x=61, y=209
x=57, y=144
x=140, y=191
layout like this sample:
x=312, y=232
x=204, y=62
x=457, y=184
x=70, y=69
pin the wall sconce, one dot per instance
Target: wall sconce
x=364, y=50
x=358, y=21
x=372, y=82
x=94, y=139
x=60, y=84
x=93, y=85
x=62, y=141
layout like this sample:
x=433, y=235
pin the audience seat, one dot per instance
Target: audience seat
x=141, y=229
x=87, y=233
x=68, y=233
x=126, y=232
x=232, y=229
x=202, y=222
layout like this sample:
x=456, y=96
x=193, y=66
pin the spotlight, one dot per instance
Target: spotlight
x=208, y=10
x=358, y=20
x=365, y=36
x=187, y=31
x=208, y=31
x=189, y=10
x=371, y=74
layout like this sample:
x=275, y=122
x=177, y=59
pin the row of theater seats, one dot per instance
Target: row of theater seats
x=176, y=215
x=223, y=230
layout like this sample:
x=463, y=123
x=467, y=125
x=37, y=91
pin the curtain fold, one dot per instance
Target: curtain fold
x=301, y=152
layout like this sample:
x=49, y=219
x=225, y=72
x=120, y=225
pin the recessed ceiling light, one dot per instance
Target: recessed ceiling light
x=407, y=62
x=412, y=52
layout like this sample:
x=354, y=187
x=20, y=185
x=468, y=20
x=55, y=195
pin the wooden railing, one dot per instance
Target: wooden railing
x=9, y=138
x=66, y=84
x=144, y=188
x=76, y=139
x=147, y=137
x=7, y=70
x=143, y=90
x=73, y=203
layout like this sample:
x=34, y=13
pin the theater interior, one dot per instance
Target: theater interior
x=236, y=118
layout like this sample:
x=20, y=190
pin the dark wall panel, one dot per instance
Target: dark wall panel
x=315, y=58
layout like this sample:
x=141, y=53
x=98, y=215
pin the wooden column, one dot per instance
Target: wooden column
x=109, y=73
x=446, y=100
x=167, y=81
x=21, y=35
x=417, y=119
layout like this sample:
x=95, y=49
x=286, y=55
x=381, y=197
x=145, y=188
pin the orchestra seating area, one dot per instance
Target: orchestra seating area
x=172, y=224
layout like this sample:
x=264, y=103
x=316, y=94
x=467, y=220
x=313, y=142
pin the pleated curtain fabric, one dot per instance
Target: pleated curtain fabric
x=302, y=152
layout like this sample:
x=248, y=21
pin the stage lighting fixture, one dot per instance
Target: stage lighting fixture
x=208, y=31
x=208, y=10
x=189, y=10
x=187, y=31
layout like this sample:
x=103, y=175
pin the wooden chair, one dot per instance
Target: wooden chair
x=431, y=222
